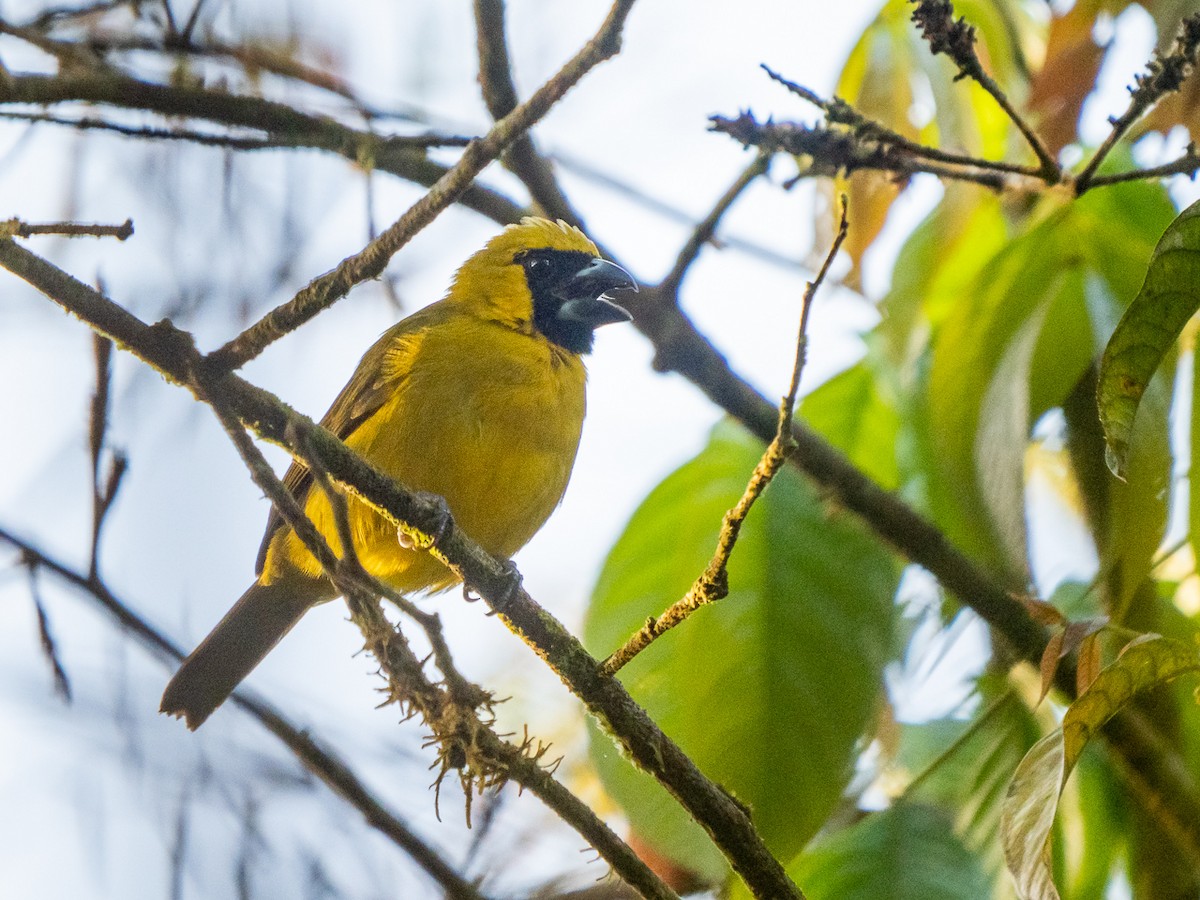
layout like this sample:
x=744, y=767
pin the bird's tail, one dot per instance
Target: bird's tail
x=249, y=631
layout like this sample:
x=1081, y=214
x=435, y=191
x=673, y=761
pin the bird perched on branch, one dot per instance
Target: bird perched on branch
x=478, y=398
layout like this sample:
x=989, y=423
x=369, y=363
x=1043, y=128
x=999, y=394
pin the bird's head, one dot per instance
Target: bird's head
x=545, y=277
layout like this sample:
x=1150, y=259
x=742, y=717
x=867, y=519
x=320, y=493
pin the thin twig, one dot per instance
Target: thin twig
x=956, y=39
x=705, y=229
x=838, y=111
x=1165, y=74
x=284, y=125
x=669, y=211
x=828, y=152
x=1188, y=164
x=309, y=751
x=104, y=490
x=17, y=228
x=713, y=583
x=62, y=684
x=523, y=158
x=230, y=142
x=371, y=261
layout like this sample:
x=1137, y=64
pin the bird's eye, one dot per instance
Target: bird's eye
x=538, y=262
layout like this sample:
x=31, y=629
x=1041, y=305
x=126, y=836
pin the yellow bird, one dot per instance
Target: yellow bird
x=478, y=398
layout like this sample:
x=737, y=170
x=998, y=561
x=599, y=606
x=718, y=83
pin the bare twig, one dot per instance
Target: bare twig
x=283, y=125
x=956, y=39
x=670, y=211
x=62, y=684
x=104, y=489
x=828, y=152
x=228, y=141
x=839, y=112
x=173, y=354
x=1188, y=164
x=713, y=583
x=705, y=229
x=309, y=751
x=500, y=94
x=1165, y=74
x=17, y=228
x=371, y=261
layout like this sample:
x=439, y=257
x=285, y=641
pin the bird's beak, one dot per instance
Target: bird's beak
x=584, y=299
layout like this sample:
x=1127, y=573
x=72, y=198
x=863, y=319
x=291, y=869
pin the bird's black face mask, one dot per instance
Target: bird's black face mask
x=568, y=288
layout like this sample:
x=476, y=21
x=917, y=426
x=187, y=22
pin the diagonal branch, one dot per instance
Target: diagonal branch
x=309, y=751
x=371, y=261
x=705, y=230
x=838, y=112
x=713, y=583
x=1165, y=75
x=173, y=354
x=829, y=152
x=452, y=709
x=500, y=94
x=956, y=39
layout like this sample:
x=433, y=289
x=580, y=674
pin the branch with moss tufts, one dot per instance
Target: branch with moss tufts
x=172, y=352
x=457, y=712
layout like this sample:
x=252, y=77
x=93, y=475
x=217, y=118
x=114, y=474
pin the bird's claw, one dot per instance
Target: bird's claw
x=422, y=540
x=512, y=583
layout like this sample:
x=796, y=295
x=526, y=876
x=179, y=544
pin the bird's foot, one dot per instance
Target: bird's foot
x=414, y=539
x=512, y=583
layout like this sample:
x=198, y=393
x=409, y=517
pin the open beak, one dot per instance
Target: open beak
x=584, y=299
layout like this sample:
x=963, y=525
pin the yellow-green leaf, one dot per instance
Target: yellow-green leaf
x=1148, y=330
x=1037, y=784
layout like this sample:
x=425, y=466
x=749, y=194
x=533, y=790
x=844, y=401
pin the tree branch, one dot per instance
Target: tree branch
x=500, y=95
x=707, y=227
x=283, y=126
x=173, y=354
x=451, y=709
x=17, y=228
x=1165, y=75
x=371, y=261
x=309, y=751
x=956, y=39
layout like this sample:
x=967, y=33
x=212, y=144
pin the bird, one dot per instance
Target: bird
x=477, y=398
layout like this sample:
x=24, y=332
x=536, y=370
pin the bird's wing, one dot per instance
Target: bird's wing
x=374, y=381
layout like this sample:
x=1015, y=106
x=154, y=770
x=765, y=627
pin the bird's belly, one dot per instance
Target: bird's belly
x=501, y=457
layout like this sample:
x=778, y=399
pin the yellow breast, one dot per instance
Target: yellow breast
x=487, y=417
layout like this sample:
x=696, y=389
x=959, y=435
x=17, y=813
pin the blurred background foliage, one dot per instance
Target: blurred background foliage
x=868, y=718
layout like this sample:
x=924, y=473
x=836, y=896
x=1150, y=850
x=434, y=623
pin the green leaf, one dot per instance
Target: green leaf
x=1066, y=271
x=1038, y=782
x=972, y=764
x=767, y=690
x=977, y=442
x=1194, y=468
x=937, y=264
x=849, y=411
x=1148, y=331
x=906, y=852
x=1003, y=434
